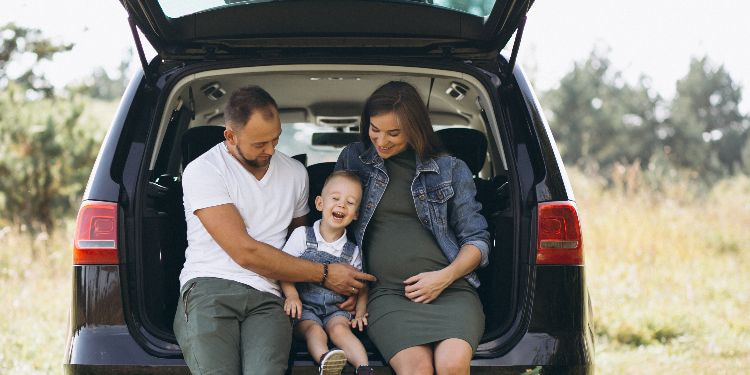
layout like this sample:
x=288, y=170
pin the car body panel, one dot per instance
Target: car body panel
x=549, y=324
x=328, y=23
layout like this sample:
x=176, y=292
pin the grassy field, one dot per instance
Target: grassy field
x=667, y=274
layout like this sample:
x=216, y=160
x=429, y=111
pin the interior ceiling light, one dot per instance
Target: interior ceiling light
x=213, y=91
x=457, y=90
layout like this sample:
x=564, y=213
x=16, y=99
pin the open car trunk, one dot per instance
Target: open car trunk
x=320, y=107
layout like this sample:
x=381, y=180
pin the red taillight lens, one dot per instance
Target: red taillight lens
x=558, y=234
x=95, y=240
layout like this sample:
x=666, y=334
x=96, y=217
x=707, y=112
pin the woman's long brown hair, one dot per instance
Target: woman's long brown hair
x=403, y=100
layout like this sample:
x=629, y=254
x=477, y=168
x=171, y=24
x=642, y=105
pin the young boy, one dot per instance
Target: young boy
x=315, y=306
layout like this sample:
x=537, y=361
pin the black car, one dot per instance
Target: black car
x=320, y=60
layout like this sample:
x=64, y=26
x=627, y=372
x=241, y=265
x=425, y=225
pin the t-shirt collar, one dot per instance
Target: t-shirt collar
x=337, y=244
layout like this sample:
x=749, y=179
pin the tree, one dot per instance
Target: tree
x=101, y=85
x=45, y=148
x=18, y=41
x=44, y=152
x=599, y=120
x=707, y=130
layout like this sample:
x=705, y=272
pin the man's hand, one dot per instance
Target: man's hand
x=349, y=304
x=293, y=307
x=345, y=279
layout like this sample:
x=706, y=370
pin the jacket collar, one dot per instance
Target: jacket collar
x=370, y=156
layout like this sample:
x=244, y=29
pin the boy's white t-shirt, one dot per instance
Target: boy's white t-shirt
x=267, y=207
x=297, y=243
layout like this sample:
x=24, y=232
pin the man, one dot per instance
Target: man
x=241, y=198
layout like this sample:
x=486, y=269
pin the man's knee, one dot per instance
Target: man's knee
x=266, y=340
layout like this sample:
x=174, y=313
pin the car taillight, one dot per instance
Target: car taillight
x=558, y=234
x=95, y=240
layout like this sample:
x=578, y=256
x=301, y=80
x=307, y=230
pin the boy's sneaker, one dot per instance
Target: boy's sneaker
x=332, y=362
x=365, y=370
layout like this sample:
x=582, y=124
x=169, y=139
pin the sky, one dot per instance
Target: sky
x=656, y=38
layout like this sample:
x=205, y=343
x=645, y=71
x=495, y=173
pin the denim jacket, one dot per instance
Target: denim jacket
x=444, y=198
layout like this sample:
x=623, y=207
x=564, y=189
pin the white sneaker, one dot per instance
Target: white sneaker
x=332, y=362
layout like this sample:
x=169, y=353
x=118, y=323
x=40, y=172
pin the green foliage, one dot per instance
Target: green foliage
x=706, y=126
x=602, y=123
x=46, y=146
x=20, y=41
x=45, y=156
x=599, y=120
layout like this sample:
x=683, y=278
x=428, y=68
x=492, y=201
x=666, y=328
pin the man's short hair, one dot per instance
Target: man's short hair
x=245, y=102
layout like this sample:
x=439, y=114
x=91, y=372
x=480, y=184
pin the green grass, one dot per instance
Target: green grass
x=667, y=273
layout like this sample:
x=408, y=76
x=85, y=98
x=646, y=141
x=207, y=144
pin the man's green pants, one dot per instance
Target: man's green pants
x=226, y=327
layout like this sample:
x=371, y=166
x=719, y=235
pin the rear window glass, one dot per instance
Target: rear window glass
x=298, y=138
x=179, y=8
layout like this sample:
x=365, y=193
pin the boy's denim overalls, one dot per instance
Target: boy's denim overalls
x=319, y=303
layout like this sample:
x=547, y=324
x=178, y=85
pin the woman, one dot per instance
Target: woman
x=421, y=234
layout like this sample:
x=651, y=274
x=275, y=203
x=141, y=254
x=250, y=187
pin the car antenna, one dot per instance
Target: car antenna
x=141, y=54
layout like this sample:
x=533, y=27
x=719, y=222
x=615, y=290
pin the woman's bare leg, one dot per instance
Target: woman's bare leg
x=416, y=360
x=453, y=357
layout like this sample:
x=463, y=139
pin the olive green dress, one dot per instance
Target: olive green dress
x=396, y=247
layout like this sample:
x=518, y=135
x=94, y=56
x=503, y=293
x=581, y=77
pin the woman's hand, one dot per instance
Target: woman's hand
x=427, y=286
x=293, y=307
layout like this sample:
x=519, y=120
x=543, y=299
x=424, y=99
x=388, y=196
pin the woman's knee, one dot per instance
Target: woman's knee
x=453, y=357
x=414, y=360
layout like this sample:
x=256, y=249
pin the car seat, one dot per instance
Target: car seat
x=470, y=145
x=197, y=140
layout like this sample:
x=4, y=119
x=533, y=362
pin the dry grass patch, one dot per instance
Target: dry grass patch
x=667, y=276
x=35, y=294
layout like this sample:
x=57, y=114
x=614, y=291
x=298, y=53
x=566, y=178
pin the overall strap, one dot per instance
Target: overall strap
x=310, y=240
x=348, y=252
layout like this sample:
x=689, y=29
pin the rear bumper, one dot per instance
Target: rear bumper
x=111, y=350
x=559, y=339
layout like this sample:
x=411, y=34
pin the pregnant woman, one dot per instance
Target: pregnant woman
x=421, y=234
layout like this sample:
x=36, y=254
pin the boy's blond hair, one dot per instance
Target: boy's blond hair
x=351, y=176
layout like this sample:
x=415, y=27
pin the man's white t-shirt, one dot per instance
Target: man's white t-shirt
x=297, y=243
x=267, y=207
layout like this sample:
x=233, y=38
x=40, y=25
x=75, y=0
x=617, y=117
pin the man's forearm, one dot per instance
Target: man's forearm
x=270, y=262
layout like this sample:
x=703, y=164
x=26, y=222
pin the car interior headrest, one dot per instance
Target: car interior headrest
x=199, y=139
x=469, y=145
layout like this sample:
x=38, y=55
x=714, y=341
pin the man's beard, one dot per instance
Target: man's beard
x=252, y=163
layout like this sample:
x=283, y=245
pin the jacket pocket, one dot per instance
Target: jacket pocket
x=440, y=193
